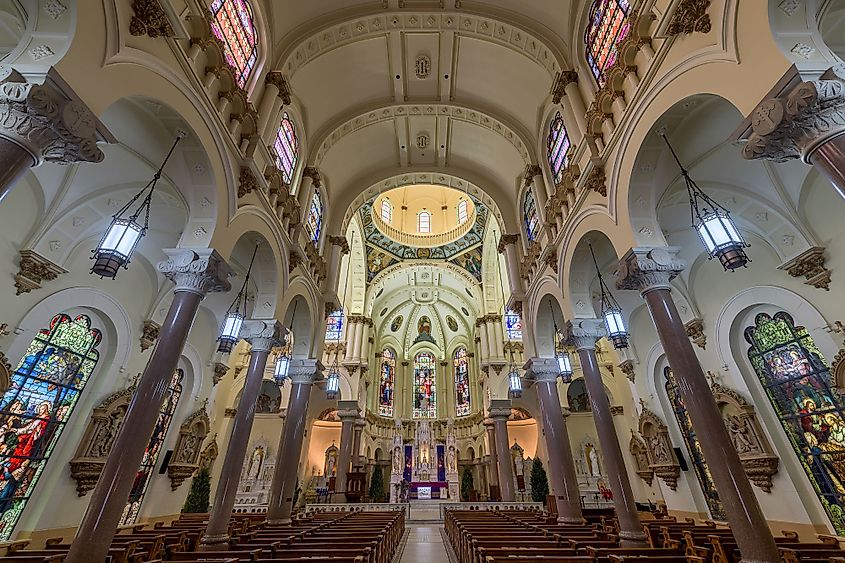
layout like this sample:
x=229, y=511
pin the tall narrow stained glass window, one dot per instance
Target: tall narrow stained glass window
x=334, y=325
x=797, y=380
x=530, y=215
x=462, y=398
x=43, y=392
x=702, y=471
x=148, y=462
x=423, y=222
x=463, y=211
x=286, y=147
x=232, y=22
x=425, y=387
x=558, y=147
x=386, y=211
x=513, y=325
x=607, y=27
x=315, y=217
x=388, y=376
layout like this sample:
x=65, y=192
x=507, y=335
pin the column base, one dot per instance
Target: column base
x=278, y=521
x=632, y=539
x=218, y=542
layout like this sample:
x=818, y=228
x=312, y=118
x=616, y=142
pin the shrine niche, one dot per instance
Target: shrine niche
x=661, y=456
x=518, y=461
x=755, y=452
x=186, y=454
x=97, y=441
x=209, y=454
x=269, y=399
x=639, y=450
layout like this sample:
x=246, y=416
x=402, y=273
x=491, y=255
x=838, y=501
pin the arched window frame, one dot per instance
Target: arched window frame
x=53, y=372
x=558, y=144
x=531, y=215
x=233, y=22
x=386, y=211
x=463, y=212
x=463, y=394
x=314, y=222
x=424, y=221
x=607, y=27
x=425, y=407
x=286, y=148
x=387, y=383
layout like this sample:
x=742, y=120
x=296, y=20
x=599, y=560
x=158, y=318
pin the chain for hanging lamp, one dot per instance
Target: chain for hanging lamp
x=230, y=330
x=611, y=311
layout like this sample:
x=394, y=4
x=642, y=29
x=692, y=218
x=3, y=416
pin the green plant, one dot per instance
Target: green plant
x=467, y=484
x=539, y=482
x=376, y=493
x=198, y=496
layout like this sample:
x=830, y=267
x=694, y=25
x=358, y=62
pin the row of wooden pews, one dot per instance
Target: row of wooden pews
x=335, y=537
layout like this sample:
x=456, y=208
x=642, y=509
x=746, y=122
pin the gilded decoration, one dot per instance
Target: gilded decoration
x=246, y=182
x=695, y=331
x=638, y=449
x=690, y=16
x=149, y=19
x=659, y=448
x=186, y=454
x=810, y=265
x=149, y=334
x=33, y=270
x=220, y=371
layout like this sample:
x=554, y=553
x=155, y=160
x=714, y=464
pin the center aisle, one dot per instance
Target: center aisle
x=424, y=545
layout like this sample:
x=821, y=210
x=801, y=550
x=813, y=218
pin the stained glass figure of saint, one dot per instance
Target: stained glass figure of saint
x=462, y=393
x=388, y=373
x=425, y=387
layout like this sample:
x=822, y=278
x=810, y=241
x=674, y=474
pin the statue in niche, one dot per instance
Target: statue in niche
x=592, y=459
x=330, y=465
x=256, y=460
x=661, y=457
x=451, y=461
x=740, y=435
x=397, y=460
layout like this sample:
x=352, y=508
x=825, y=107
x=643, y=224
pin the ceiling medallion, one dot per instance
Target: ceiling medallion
x=422, y=141
x=422, y=66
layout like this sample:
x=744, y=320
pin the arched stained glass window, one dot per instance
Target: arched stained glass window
x=232, y=22
x=558, y=147
x=424, y=222
x=531, y=215
x=386, y=211
x=513, y=325
x=334, y=325
x=425, y=387
x=462, y=394
x=315, y=217
x=388, y=374
x=44, y=389
x=606, y=29
x=463, y=211
x=148, y=462
x=797, y=380
x=286, y=147
x=702, y=471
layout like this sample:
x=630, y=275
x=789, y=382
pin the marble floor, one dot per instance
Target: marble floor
x=424, y=544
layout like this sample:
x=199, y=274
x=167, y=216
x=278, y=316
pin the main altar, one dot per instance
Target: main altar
x=423, y=469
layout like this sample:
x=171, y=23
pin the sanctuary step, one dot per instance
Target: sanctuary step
x=426, y=510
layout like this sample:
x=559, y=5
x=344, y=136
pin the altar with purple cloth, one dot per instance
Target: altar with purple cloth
x=429, y=490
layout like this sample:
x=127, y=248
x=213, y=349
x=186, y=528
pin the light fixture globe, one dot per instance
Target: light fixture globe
x=230, y=331
x=564, y=366
x=722, y=239
x=281, y=369
x=615, y=326
x=514, y=383
x=116, y=247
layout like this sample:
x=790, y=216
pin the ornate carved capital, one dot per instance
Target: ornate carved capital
x=313, y=173
x=149, y=19
x=199, y=271
x=341, y=242
x=277, y=79
x=294, y=259
x=230, y=413
x=551, y=260
x=617, y=410
x=596, y=181
x=505, y=240
x=584, y=333
x=149, y=334
x=33, y=270
x=627, y=368
x=695, y=331
x=500, y=410
x=304, y=371
x=263, y=336
x=564, y=79
x=530, y=171
x=543, y=370
x=794, y=125
x=220, y=371
x=811, y=265
x=246, y=182
x=49, y=127
x=690, y=16
x=645, y=269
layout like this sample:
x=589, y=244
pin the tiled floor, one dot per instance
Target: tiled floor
x=425, y=545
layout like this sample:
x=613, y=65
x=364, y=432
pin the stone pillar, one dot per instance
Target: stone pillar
x=310, y=182
x=357, y=459
x=584, y=333
x=507, y=246
x=276, y=95
x=481, y=326
x=339, y=247
x=367, y=324
x=195, y=273
x=500, y=410
x=564, y=480
x=302, y=374
x=351, y=324
x=263, y=336
x=649, y=270
x=493, y=466
x=356, y=340
x=348, y=413
x=567, y=85
x=808, y=122
x=37, y=125
x=498, y=335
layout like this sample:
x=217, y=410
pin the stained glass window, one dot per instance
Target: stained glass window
x=530, y=215
x=606, y=29
x=232, y=23
x=334, y=325
x=462, y=399
x=424, y=222
x=386, y=211
x=558, y=147
x=513, y=325
x=315, y=217
x=388, y=374
x=702, y=471
x=797, y=380
x=425, y=387
x=148, y=462
x=286, y=147
x=43, y=391
x=463, y=211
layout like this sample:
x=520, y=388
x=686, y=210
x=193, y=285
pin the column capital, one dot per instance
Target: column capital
x=500, y=409
x=543, y=370
x=340, y=242
x=531, y=170
x=584, y=333
x=49, y=127
x=277, y=79
x=348, y=411
x=199, y=271
x=263, y=335
x=645, y=269
x=313, y=173
x=360, y=423
x=564, y=79
x=796, y=124
x=506, y=240
x=304, y=371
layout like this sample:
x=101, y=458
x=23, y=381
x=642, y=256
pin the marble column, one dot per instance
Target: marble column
x=195, y=273
x=262, y=336
x=303, y=372
x=348, y=413
x=358, y=459
x=500, y=410
x=649, y=270
x=493, y=463
x=39, y=124
x=357, y=336
x=807, y=122
x=584, y=333
x=564, y=480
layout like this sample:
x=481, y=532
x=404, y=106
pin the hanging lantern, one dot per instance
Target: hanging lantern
x=514, y=383
x=611, y=312
x=713, y=223
x=564, y=366
x=125, y=231
x=332, y=383
x=230, y=330
x=280, y=370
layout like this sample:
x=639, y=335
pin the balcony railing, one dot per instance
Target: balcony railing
x=424, y=240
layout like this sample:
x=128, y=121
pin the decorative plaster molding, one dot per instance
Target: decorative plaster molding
x=644, y=268
x=230, y=413
x=562, y=80
x=149, y=19
x=220, y=371
x=695, y=331
x=198, y=271
x=659, y=447
x=246, y=182
x=277, y=79
x=596, y=181
x=584, y=333
x=811, y=265
x=690, y=16
x=33, y=270
x=505, y=240
x=186, y=455
x=617, y=410
x=627, y=368
x=149, y=334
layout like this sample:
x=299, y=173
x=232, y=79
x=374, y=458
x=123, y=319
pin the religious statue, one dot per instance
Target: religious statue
x=658, y=449
x=740, y=434
x=397, y=460
x=451, y=461
x=594, y=462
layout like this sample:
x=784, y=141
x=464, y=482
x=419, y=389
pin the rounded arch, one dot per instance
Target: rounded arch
x=45, y=36
x=579, y=272
x=546, y=314
x=801, y=34
x=306, y=321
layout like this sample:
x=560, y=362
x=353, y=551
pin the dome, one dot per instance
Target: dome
x=423, y=215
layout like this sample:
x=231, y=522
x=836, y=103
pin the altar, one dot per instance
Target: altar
x=429, y=490
x=424, y=469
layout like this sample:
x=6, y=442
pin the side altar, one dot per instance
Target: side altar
x=422, y=468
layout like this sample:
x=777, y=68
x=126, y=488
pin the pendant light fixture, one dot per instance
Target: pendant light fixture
x=611, y=312
x=282, y=365
x=514, y=379
x=230, y=330
x=712, y=221
x=564, y=363
x=126, y=230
